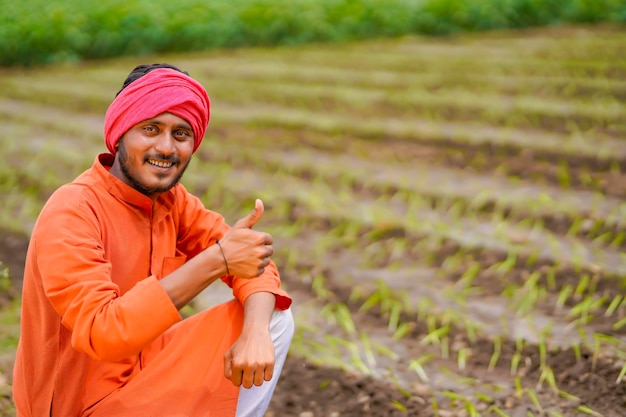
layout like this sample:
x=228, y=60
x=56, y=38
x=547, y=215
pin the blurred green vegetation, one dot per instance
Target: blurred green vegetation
x=34, y=32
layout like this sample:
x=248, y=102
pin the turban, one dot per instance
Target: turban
x=159, y=91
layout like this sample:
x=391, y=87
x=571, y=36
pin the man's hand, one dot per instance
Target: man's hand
x=248, y=251
x=250, y=361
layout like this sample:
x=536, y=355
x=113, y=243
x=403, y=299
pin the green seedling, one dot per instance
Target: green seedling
x=384, y=350
x=357, y=361
x=604, y=239
x=342, y=316
x=399, y=406
x=586, y=410
x=582, y=286
x=498, y=411
x=563, y=174
x=486, y=398
x=517, y=356
x=622, y=372
x=417, y=365
x=534, y=399
x=547, y=375
x=584, y=309
x=619, y=240
x=564, y=294
x=577, y=351
x=497, y=350
x=543, y=353
x=435, y=335
x=394, y=316
x=318, y=285
x=575, y=227
x=550, y=277
x=471, y=409
x=470, y=274
x=615, y=303
x=568, y=396
x=445, y=347
x=403, y=329
x=515, y=361
x=508, y=264
x=435, y=406
x=615, y=344
x=462, y=356
x=368, y=349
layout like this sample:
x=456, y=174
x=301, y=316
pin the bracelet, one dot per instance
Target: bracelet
x=223, y=256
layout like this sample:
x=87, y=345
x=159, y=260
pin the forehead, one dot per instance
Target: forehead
x=168, y=119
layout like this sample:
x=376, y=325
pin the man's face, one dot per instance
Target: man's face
x=153, y=155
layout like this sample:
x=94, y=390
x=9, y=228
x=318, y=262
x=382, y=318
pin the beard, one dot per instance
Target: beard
x=126, y=168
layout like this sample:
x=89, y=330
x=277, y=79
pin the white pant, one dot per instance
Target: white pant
x=254, y=401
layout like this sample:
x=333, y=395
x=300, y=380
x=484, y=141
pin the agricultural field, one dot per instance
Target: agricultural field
x=448, y=213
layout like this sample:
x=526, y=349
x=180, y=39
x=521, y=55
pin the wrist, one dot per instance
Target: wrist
x=221, y=251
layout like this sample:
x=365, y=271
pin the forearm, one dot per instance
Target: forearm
x=194, y=276
x=258, y=309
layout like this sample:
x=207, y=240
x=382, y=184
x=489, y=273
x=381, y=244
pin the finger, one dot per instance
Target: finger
x=248, y=378
x=269, y=372
x=237, y=377
x=260, y=271
x=259, y=376
x=250, y=220
x=228, y=365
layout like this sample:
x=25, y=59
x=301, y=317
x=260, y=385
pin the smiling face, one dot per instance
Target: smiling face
x=153, y=154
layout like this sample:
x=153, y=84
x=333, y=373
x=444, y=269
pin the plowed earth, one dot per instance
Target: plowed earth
x=448, y=213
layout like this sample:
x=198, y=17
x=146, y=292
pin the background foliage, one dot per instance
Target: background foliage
x=43, y=31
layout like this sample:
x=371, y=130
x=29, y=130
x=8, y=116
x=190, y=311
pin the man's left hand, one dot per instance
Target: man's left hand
x=250, y=361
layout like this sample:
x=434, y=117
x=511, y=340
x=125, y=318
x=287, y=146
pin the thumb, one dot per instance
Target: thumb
x=250, y=220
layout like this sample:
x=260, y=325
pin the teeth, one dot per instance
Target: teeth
x=162, y=164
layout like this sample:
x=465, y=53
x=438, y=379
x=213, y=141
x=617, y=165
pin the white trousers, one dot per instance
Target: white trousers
x=253, y=402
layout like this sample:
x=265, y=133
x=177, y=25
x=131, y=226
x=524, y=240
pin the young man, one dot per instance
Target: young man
x=116, y=253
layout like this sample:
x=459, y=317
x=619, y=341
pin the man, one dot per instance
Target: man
x=116, y=253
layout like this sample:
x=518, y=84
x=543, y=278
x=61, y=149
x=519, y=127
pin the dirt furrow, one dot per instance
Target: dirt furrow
x=448, y=133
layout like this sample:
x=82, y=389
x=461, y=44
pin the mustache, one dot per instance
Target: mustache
x=171, y=158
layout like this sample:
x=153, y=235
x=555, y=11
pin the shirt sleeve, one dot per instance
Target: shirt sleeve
x=77, y=280
x=199, y=227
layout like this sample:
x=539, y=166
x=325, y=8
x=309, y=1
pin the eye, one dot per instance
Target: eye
x=150, y=128
x=182, y=134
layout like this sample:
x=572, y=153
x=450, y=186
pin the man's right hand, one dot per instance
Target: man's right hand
x=247, y=251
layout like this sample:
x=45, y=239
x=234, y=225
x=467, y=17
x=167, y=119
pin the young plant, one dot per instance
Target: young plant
x=417, y=365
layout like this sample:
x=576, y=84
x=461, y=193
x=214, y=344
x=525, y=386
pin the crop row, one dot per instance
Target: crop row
x=430, y=334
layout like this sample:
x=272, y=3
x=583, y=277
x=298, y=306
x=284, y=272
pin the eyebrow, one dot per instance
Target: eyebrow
x=160, y=123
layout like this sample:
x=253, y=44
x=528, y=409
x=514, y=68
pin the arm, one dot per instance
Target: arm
x=247, y=253
x=250, y=360
x=194, y=240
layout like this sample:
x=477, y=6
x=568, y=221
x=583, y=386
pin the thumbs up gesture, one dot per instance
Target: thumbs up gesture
x=247, y=251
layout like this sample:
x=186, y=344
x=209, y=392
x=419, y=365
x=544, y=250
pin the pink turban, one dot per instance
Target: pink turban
x=160, y=90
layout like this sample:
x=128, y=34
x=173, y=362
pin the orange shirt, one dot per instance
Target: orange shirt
x=91, y=298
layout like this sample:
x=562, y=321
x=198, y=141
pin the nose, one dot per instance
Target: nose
x=165, y=143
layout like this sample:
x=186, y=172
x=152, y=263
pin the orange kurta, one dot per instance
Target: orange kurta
x=95, y=318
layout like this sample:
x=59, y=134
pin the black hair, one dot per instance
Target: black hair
x=141, y=70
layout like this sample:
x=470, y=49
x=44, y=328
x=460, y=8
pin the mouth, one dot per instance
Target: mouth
x=160, y=163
